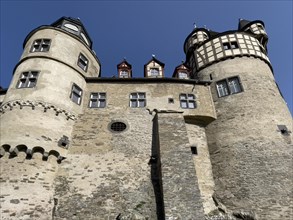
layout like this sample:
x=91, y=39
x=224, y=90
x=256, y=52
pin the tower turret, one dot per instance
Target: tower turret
x=248, y=150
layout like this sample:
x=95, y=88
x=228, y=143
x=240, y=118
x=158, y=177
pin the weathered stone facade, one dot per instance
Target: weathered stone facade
x=213, y=142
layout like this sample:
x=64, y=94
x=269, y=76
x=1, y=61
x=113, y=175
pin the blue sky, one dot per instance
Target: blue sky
x=137, y=29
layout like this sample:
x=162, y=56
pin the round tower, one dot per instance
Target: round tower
x=39, y=111
x=250, y=143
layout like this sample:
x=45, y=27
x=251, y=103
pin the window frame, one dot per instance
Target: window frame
x=27, y=80
x=98, y=100
x=137, y=100
x=228, y=81
x=40, y=45
x=73, y=92
x=82, y=58
x=187, y=100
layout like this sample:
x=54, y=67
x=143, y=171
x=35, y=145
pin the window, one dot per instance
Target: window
x=76, y=94
x=28, y=79
x=82, y=62
x=230, y=45
x=182, y=75
x=154, y=71
x=98, y=100
x=228, y=86
x=118, y=126
x=234, y=45
x=137, y=100
x=124, y=74
x=41, y=45
x=187, y=101
x=71, y=27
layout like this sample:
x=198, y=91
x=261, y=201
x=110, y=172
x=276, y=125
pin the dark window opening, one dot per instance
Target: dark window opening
x=283, y=129
x=194, y=150
x=118, y=126
x=230, y=45
x=170, y=100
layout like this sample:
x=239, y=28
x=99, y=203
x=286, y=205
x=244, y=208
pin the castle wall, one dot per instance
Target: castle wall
x=26, y=187
x=197, y=138
x=248, y=151
x=179, y=179
x=106, y=173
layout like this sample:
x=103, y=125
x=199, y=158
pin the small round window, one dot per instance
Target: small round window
x=118, y=126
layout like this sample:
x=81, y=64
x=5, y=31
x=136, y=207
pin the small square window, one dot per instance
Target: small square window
x=41, y=45
x=194, y=150
x=28, y=79
x=98, y=100
x=234, y=45
x=76, y=94
x=226, y=46
x=82, y=62
x=137, y=100
x=187, y=101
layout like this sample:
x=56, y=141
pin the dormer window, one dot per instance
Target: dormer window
x=154, y=72
x=124, y=69
x=82, y=62
x=154, y=68
x=73, y=26
x=182, y=72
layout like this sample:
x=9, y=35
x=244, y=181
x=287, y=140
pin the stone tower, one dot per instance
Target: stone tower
x=38, y=113
x=250, y=143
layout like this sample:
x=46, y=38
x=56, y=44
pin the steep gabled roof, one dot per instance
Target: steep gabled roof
x=156, y=60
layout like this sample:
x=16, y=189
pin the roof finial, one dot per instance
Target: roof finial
x=124, y=58
x=153, y=55
x=194, y=25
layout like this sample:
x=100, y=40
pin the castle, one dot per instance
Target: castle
x=212, y=142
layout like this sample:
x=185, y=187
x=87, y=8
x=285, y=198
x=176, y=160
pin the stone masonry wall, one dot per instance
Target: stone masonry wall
x=106, y=175
x=26, y=187
x=182, y=199
x=203, y=166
